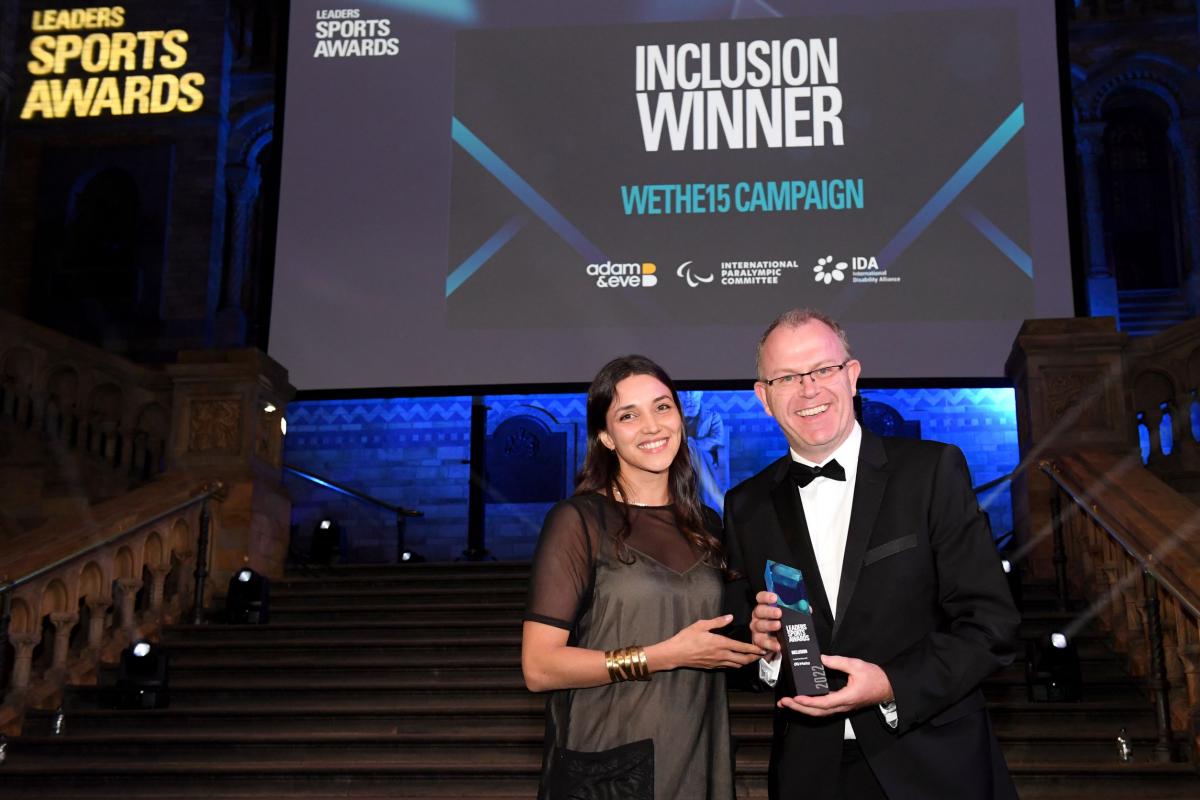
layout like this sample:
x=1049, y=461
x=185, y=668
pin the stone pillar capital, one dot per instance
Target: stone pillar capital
x=59, y=619
x=96, y=604
x=24, y=642
x=130, y=585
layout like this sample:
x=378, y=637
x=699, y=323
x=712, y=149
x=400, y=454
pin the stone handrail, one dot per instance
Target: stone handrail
x=1133, y=544
x=84, y=398
x=75, y=592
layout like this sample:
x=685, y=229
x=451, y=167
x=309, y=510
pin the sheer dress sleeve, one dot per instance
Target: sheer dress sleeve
x=562, y=568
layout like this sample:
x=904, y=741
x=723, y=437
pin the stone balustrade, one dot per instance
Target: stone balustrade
x=1133, y=545
x=1164, y=383
x=83, y=398
x=1082, y=384
x=76, y=592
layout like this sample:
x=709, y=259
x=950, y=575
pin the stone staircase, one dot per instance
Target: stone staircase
x=1145, y=312
x=405, y=682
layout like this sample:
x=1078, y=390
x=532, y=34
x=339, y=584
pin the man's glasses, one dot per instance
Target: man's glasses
x=818, y=375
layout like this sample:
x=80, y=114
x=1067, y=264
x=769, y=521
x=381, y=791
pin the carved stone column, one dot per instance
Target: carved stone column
x=242, y=183
x=1102, y=284
x=97, y=611
x=128, y=596
x=23, y=644
x=1184, y=135
x=158, y=576
x=1070, y=394
x=219, y=428
x=64, y=622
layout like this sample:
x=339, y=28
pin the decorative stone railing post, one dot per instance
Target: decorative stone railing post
x=129, y=588
x=23, y=644
x=154, y=597
x=97, y=611
x=220, y=427
x=64, y=622
x=1070, y=393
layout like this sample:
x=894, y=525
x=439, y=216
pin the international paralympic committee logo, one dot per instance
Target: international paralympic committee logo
x=693, y=280
x=827, y=272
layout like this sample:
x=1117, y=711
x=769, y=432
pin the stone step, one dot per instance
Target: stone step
x=508, y=773
x=519, y=740
x=444, y=569
x=466, y=584
x=376, y=630
x=398, y=593
x=434, y=714
x=403, y=626
x=392, y=612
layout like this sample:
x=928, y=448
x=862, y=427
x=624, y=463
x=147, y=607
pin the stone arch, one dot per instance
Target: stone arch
x=149, y=440
x=181, y=536
x=23, y=618
x=1152, y=388
x=154, y=553
x=1161, y=77
x=91, y=582
x=1154, y=405
x=123, y=564
x=104, y=414
x=62, y=403
x=16, y=384
x=55, y=597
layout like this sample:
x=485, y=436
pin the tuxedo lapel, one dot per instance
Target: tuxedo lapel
x=868, y=495
x=790, y=512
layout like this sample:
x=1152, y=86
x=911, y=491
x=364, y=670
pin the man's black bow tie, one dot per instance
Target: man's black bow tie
x=803, y=474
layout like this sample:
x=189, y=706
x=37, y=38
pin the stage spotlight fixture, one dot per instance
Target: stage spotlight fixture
x=1052, y=673
x=143, y=677
x=248, y=600
x=326, y=542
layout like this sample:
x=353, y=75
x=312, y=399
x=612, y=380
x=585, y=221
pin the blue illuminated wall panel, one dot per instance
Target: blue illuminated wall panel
x=414, y=452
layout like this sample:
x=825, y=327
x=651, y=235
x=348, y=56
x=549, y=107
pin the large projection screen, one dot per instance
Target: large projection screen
x=494, y=193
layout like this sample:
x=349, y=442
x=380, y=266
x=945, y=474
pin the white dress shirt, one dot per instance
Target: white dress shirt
x=827, y=504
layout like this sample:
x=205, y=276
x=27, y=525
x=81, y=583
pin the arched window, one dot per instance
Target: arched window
x=1139, y=213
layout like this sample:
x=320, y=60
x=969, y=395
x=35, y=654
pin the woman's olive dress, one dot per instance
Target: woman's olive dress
x=663, y=738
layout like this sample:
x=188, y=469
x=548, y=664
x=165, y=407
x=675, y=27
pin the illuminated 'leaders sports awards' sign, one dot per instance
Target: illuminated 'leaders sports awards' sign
x=85, y=64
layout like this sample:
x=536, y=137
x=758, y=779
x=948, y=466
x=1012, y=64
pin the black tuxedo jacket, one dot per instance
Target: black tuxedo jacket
x=922, y=595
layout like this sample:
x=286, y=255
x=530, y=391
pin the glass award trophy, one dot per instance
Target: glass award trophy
x=797, y=635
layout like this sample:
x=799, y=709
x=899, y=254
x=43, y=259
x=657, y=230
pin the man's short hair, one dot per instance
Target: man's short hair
x=794, y=319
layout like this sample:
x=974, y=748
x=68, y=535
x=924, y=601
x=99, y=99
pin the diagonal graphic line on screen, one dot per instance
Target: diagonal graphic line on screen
x=524, y=192
x=488, y=249
x=946, y=195
x=998, y=237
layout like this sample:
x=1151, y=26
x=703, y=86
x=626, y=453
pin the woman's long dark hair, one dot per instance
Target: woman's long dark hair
x=602, y=471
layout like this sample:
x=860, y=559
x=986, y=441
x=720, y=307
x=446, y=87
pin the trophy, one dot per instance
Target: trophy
x=797, y=634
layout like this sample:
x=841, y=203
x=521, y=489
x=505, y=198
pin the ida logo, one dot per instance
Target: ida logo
x=610, y=275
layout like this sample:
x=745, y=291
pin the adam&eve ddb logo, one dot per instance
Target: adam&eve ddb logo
x=611, y=275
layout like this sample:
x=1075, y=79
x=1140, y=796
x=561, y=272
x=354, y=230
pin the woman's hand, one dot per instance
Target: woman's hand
x=696, y=646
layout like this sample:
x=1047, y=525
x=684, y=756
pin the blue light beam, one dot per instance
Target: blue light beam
x=488, y=249
x=1005, y=245
x=524, y=192
x=946, y=195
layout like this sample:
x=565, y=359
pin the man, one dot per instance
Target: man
x=910, y=604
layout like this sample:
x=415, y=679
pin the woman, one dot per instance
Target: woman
x=625, y=599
